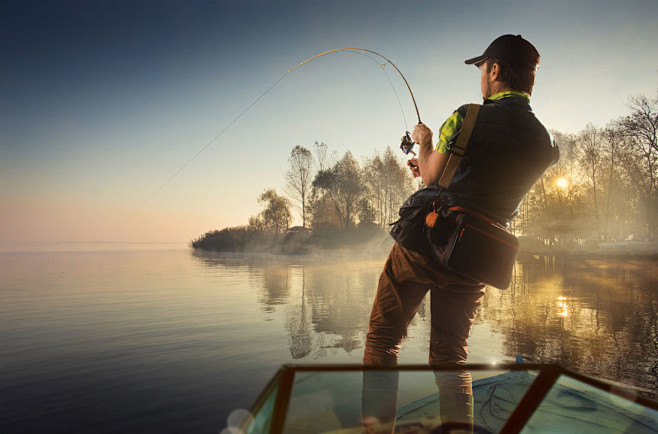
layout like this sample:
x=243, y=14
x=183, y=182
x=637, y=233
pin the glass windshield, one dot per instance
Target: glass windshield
x=481, y=400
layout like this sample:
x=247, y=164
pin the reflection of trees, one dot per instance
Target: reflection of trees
x=338, y=298
x=341, y=298
x=299, y=328
x=275, y=286
x=268, y=274
x=597, y=316
x=327, y=305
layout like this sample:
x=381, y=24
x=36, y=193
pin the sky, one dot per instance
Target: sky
x=104, y=103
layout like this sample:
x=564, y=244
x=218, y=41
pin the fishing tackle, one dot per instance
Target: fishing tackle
x=407, y=144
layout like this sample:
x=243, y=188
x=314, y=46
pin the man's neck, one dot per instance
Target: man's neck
x=494, y=89
x=507, y=94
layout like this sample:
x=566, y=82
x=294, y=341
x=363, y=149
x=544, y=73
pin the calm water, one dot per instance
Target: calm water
x=173, y=341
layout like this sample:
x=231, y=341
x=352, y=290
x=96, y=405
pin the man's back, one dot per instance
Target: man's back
x=508, y=151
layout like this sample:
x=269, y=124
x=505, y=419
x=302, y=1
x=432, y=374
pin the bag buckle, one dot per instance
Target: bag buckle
x=432, y=217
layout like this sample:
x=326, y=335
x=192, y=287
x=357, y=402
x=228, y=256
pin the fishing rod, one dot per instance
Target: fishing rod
x=406, y=144
x=367, y=51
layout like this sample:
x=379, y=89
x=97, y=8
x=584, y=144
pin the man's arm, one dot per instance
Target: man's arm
x=431, y=163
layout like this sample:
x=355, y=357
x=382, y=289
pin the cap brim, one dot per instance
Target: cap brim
x=476, y=60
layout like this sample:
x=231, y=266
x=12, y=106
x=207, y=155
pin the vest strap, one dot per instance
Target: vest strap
x=462, y=142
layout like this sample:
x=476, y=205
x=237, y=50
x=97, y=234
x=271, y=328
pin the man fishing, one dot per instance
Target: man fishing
x=508, y=151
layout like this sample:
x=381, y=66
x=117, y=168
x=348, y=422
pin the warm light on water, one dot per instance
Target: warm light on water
x=172, y=341
x=562, y=306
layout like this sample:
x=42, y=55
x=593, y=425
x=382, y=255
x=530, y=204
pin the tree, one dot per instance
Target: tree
x=320, y=156
x=298, y=178
x=590, y=158
x=366, y=213
x=617, y=188
x=343, y=185
x=275, y=218
x=553, y=209
x=640, y=131
x=389, y=183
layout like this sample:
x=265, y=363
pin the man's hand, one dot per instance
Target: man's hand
x=413, y=166
x=422, y=135
x=430, y=162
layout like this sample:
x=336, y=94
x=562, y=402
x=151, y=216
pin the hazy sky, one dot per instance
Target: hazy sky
x=102, y=102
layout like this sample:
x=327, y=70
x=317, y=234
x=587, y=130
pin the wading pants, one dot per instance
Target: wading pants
x=406, y=278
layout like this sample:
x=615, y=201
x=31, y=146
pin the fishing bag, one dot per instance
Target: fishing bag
x=409, y=230
x=471, y=244
x=464, y=240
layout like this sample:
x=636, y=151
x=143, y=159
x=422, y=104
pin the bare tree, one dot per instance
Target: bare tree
x=321, y=157
x=299, y=178
x=640, y=130
x=618, y=189
x=590, y=158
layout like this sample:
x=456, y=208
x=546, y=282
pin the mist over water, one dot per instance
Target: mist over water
x=174, y=341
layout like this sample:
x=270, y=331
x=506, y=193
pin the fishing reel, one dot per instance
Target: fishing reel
x=407, y=145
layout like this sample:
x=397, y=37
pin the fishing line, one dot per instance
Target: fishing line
x=203, y=149
x=367, y=51
x=362, y=50
x=383, y=68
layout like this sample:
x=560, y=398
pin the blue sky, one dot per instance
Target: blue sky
x=102, y=102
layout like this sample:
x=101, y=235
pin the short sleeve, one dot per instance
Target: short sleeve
x=449, y=130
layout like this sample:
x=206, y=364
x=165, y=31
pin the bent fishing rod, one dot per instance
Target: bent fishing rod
x=336, y=50
x=406, y=144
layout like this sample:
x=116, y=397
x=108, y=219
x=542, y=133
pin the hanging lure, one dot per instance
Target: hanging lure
x=407, y=144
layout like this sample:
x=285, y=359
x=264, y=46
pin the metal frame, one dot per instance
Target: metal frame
x=546, y=379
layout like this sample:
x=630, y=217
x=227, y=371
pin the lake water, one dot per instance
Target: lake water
x=171, y=341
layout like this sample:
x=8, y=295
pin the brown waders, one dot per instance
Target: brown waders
x=406, y=278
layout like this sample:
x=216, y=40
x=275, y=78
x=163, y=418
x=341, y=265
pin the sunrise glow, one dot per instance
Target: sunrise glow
x=562, y=183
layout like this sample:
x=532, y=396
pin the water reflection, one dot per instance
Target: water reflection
x=276, y=282
x=599, y=317
x=326, y=303
x=299, y=326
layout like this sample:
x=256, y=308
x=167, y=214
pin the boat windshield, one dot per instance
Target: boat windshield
x=474, y=398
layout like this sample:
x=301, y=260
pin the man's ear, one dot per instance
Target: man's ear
x=494, y=71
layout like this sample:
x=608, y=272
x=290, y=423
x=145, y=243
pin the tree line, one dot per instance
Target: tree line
x=603, y=188
x=339, y=201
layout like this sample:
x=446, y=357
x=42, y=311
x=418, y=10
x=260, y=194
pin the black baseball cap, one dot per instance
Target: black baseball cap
x=509, y=48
